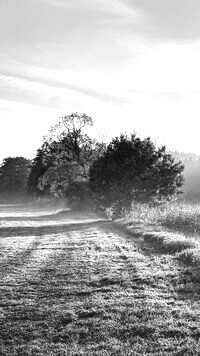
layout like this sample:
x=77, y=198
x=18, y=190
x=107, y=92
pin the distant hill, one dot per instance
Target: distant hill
x=192, y=176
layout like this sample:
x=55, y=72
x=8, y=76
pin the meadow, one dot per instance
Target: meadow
x=74, y=284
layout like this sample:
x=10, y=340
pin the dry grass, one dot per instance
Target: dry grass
x=173, y=230
x=179, y=217
x=85, y=289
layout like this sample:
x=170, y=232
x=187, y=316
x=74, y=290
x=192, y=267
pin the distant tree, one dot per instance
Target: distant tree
x=132, y=169
x=13, y=176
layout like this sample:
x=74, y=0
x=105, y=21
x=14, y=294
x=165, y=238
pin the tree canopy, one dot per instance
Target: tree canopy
x=65, y=157
x=132, y=169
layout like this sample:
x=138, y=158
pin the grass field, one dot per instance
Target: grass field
x=75, y=285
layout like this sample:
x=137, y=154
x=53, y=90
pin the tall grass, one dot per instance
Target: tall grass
x=179, y=217
x=171, y=228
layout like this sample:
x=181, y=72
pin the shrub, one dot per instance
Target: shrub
x=132, y=169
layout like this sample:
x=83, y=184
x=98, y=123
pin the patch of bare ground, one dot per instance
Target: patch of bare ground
x=81, y=286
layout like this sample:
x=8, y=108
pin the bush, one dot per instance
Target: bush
x=132, y=169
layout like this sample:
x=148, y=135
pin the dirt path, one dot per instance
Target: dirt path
x=74, y=285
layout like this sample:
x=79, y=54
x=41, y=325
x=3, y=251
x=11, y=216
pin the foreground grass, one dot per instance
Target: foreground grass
x=172, y=228
x=84, y=288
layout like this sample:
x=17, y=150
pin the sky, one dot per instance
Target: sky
x=132, y=65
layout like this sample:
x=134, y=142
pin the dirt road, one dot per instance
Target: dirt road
x=72, y=284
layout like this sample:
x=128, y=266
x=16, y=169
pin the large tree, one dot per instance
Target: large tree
x=64, y=160
x=13, y=176
x=132, y=169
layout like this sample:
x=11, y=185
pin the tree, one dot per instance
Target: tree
x=65, y=157
x=13, y=176
x=37, y=170
x=132, y=169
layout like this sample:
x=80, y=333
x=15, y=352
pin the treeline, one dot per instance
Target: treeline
x=14, y=172
x=88, y=173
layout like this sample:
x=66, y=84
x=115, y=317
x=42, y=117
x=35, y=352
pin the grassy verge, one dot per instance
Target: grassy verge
x=179, y=217
x=172, y=228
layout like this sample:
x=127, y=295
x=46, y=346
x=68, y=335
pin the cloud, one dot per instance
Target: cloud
x=167, y=19
x=48, y=92
x=77, y=33
x=115, y=7
x=73, y=22
x=156, y=71
x=59, y=3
